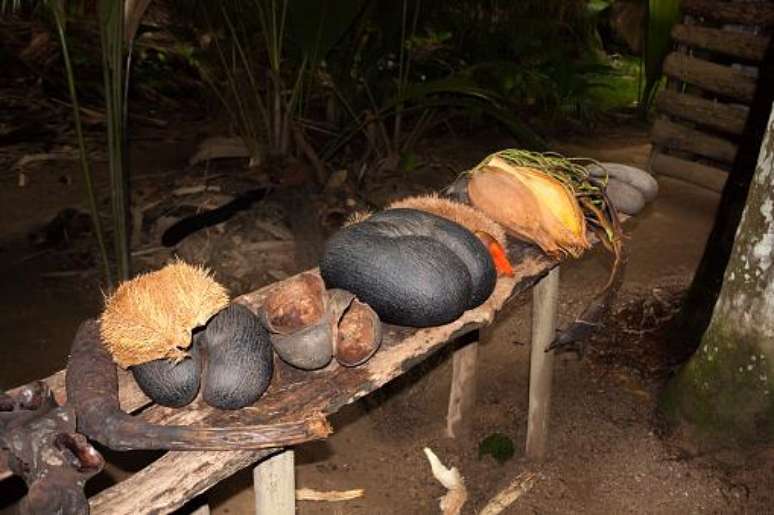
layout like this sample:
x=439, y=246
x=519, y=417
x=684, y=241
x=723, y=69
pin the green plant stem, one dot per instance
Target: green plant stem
x=112, y=38
x=85, y=165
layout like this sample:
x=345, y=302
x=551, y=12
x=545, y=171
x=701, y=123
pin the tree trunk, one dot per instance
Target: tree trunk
x=705, y=287
x=727, y=387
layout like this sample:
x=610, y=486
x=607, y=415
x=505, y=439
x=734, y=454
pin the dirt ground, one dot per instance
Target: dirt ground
x=608, y=452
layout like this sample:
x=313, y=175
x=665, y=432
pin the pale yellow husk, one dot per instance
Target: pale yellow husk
x=530, y=204
x=153, y=315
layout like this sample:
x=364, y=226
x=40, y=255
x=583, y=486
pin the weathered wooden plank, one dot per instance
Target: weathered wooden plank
x=462, y=394
x=171, y=481
x=744, y=13
x=716, y=78
x=715, y=115
x=545, y=300
x=294, y=393
x=678, y=137
x=695, y=173
x=274, y=484
x=743, y=45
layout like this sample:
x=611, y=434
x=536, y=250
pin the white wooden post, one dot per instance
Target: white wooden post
x=274, y=483
x=545, y=297
x=462, y=395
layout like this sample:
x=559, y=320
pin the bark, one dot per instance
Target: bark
x=727, y=387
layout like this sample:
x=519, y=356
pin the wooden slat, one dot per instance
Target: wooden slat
x=679, y=137
x=712, y=77
x=732, y=43
x=695, y=173
x=745, y=13
x=171, y=481
x=715, y=115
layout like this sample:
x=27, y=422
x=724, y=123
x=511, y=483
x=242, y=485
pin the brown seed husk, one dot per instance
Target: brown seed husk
x=532, y=205
x=295, y=303
x=152, y=316
x=359, y=334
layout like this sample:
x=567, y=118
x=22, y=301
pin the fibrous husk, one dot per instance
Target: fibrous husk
x=153, y=315
x=531, y=204
x=472, y=219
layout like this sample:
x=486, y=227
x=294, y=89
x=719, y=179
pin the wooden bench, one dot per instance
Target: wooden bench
x=177, y=477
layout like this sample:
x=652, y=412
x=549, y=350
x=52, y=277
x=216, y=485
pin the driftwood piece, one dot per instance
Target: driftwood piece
x=715, y=115
x=41, y=446
x=745, y=13
x=679, y=137
x=522, y=484
x=698, y=174
x=708, y=76
x=726, y=42
x=541, y=368
x=172, y=480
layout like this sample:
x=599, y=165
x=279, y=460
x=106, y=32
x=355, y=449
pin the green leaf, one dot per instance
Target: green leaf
x=498, y=446
x=662, y=15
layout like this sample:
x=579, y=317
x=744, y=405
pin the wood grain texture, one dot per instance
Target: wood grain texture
x=171, y=481
x=715, y=115
x=462, y=394
x=679, y=137
x=745, y=13
x=545, y=299
x=698, y=174
x=743, y=45
x=715, y=78
x=274, y=484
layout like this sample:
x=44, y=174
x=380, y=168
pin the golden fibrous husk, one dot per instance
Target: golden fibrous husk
x=153, y=315
x=531, y=204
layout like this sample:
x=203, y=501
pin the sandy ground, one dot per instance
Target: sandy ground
x=606, y=454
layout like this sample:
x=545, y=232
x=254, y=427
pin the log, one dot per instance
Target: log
x=294, y=392
x=679, y=137
x=715, y=115
x=462, y=394
x=715, y=78
x=698, y=174
x=744, y=13
x=171, y=481
x=274, y=483
x=129, y=394
x=726, y=42
x=545, y=299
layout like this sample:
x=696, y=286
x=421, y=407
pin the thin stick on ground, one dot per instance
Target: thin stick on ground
x=518, y=487
x=309, y=494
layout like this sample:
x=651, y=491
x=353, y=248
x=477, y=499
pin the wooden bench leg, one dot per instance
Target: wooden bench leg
x=545, y=297
x=274, y=483
x=204, y=509
x=462, y=395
